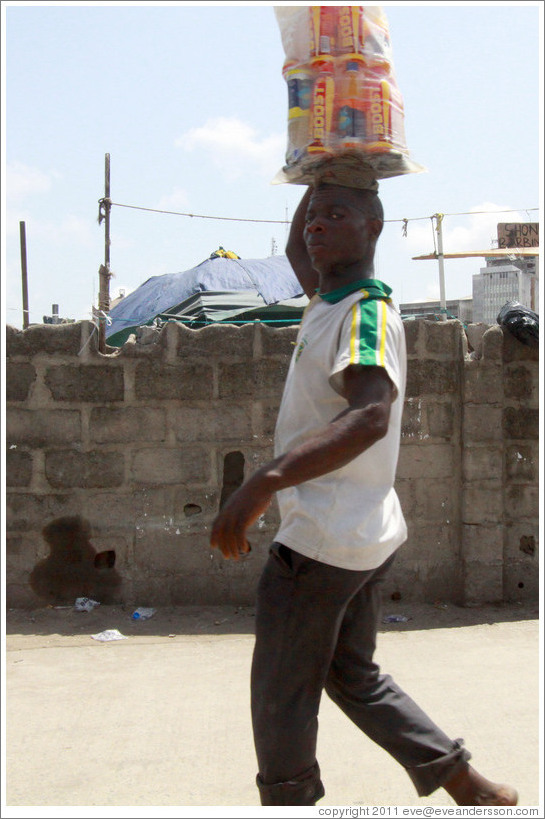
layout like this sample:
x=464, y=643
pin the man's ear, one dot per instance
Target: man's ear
x=375, y=227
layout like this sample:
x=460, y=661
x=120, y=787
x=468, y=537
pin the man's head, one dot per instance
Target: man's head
x=341, y=229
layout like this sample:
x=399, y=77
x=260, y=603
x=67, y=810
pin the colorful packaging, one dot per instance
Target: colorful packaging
x=343, y=100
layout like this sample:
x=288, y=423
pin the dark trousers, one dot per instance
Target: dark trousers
x=316, y=629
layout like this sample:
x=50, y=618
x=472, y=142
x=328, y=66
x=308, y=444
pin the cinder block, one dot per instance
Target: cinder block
x=51, y=339
x=278, y=341
x=163, y=552
x=444, y=338
x=521, y=462
x=521, y=381
x=94, y=383
x=521, y=423
x=483, y=382
x=428, y=377
x=155, y=382
x=521, y=501
x=127, y=424
x=437, y=500
x=413, y=330
x=413, y=422
x=482, y=502
x=492, y=348
x=521, y=582
x=18, y=468
x=27, y=512
x=260, y=379
x=482, y=424
x=425, y=461
x=483, y=582
x=515, y=350
x=482, y=543
x=125, y=509
x=482, y=462
x=68, y=468
x=20, y=378
x=214, y=341
x=222, y=421
x=183, y=465
x=264, y=416
x=440, y=419
x=521, y=542
x=42, y=427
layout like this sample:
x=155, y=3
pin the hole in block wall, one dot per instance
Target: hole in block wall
x=521, y=585
x=233, y=475
x=191, y=509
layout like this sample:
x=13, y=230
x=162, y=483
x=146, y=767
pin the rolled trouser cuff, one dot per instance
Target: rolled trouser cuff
x=432, y=775
x=304, y=789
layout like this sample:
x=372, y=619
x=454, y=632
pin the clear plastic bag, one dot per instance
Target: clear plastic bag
x=344, y=105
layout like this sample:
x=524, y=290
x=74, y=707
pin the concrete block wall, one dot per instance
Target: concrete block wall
x=122, y=460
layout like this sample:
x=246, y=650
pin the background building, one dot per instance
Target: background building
x=502, y=281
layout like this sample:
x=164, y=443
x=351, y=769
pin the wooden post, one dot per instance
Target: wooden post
x=22, y=234
x=104, y=271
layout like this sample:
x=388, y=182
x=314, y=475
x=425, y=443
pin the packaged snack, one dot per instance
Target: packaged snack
x=345, y=110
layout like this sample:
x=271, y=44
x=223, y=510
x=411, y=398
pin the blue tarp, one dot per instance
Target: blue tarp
x=272, y=279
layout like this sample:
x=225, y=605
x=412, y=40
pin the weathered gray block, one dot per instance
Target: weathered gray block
x=522, y=462
x=521, y=501
x=259, y=379
x=440, y=419
x=515, y=350
x=425, y=377
x=52, y=339
x=155, y=381
x=482, y=462
x=483, y=582
x=68, y=468
x=444, y=339
x=42, y=427
x=482, y=543
x=217, y=422
x=482, y=424
x=521, y=542
x=96, y=383
x=520, y=422
x=214, y=341
x=482, y=502
x=492, y=346
x=483, y=382
x=425, y=461
x=520, y=382
x=127, y=424
x=277, y=341
x=521, y=582
x=18, y=468
x=413, y=333
x=20, y=377
x=31, y=512
x=184, y=465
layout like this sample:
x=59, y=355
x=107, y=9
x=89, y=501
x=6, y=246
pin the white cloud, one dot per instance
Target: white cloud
x=175, y=201
x=23, y=181
x=233, y=145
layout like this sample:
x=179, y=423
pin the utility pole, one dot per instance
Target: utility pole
x=441, y=259
x=104, y=273
x=24, y=274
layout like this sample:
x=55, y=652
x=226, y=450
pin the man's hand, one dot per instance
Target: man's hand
x=242, y=509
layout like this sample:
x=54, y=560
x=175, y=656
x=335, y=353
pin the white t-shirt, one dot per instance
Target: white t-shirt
x=350, y=518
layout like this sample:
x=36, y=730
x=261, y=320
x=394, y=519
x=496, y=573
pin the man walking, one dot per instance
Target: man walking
x=336, y=448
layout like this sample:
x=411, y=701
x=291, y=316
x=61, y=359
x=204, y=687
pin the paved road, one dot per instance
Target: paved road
x=162, y=718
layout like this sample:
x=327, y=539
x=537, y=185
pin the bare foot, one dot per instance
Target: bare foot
x=468, y=787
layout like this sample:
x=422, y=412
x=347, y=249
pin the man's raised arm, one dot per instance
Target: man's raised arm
x=296, y=250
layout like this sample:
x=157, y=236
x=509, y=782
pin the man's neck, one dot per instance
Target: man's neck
x=334, y=279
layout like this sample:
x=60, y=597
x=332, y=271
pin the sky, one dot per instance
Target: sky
x=189, y=101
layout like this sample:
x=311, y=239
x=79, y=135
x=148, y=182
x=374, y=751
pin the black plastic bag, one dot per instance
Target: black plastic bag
x=521, y=322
